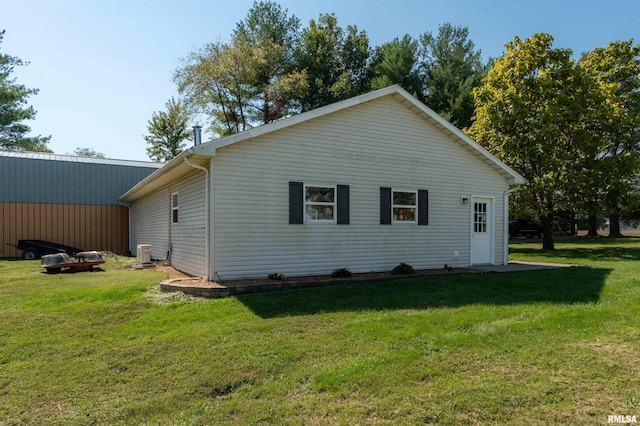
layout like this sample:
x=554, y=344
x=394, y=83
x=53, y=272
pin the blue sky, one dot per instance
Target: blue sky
x=103, y=67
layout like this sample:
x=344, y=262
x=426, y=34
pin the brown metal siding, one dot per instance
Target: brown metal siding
x=90, y=227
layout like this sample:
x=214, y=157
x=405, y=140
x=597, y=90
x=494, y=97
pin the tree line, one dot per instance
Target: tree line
x=570, y=127
x=272, y=68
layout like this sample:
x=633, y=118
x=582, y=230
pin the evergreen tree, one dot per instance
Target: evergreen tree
x=452, y=69
x=14, y=109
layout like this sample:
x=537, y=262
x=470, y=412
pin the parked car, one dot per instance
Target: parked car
x=524, y=227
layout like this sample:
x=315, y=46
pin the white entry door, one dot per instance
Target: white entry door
x=482, y=231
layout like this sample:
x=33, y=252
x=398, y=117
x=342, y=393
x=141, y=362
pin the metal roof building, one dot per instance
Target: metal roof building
x=67, y=199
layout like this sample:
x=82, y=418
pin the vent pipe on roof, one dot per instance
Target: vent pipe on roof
x=197, y=135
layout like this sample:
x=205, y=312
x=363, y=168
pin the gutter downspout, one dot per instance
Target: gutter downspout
x=128, y=206
x=506, y=222
x=207, y=215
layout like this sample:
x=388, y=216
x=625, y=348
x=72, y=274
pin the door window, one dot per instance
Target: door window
x=480, y=217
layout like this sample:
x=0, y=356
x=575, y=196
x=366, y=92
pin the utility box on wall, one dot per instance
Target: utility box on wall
x=144, y=253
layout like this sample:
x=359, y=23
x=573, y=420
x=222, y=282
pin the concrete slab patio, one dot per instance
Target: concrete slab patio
x=515, y=266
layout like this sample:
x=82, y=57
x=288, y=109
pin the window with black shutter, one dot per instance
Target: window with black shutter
x=404, y=206
x=309, y=203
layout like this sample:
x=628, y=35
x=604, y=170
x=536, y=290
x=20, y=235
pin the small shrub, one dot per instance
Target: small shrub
x=276, y=276
x=403, y=269
x=341, y=273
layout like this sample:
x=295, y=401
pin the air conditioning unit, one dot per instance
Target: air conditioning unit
x=144, y=253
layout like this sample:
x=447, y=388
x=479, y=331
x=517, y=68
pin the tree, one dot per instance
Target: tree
x=526, y=113
x=271, y=34
x=14, y=109
x=334, y=60
x=616, y=71
x=87, y=152
x=167, y=131
x=452, y=69
x=250, y=80
x=397, y=62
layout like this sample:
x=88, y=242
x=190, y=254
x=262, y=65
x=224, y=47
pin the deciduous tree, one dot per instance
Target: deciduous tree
x=335, y=61
x=167, y=132
x=88, y=152
x=526, y=113
x=616, y=71
x=250, y=80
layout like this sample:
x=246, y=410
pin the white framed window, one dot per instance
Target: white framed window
x=404, y=206
x=320, y=203
x=174, y=207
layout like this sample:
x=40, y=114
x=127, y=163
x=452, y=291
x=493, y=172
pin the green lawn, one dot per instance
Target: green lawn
x=544, y=347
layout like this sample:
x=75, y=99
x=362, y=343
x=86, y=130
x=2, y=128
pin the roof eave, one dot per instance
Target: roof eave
x=209, y=149
x=139, y=189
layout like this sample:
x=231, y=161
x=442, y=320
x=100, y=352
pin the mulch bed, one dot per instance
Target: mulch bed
x=320, y=279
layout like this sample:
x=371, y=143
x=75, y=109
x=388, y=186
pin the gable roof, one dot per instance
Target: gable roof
x=201, y=154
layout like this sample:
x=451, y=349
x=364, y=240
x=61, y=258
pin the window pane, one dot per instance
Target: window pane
x=480, y=217
x=401, y=214
x=175, y=200
x=404, y=198
x=319, y=212
x=319, y=195
x=175, y=216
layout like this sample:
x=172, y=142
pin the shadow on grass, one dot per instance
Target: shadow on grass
x=564, y=285
x=613, y=249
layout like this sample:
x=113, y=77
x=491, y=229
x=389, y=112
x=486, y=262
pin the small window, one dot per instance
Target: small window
x=320, y=203
x=405, y=204
x=174, y=207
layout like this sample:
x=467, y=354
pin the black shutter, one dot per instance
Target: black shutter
x=343, y=204
x=385, y=206
x=423, y=207
x=296, y=203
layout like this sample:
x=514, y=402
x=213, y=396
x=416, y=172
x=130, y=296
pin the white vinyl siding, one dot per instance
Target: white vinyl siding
x=151, y=221
x=382, y=143
x=150, y=218
x=188, y=235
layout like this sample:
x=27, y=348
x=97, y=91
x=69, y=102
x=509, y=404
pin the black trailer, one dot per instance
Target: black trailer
x=35, y=249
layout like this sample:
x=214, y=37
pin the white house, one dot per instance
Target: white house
x=363, y=184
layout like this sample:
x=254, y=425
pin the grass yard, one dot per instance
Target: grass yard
x=545, y=347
